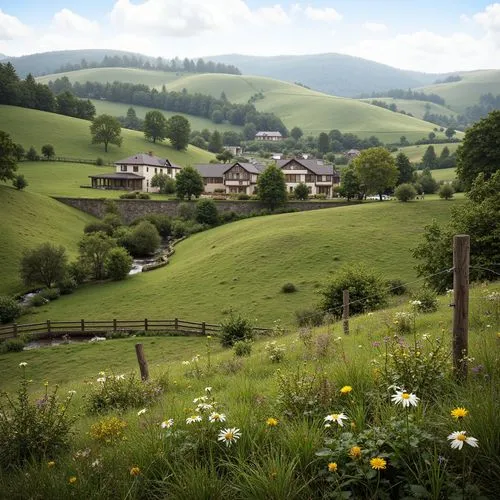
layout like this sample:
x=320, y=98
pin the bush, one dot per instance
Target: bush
x=425, y=301
x=405, y=192
x=404, y=322
x=186, y=211
x=206, y=212
x=275, y=351
x=163, y=223
x=113, y=220
x=288, y=288
x=143, y=239
x=108, y=430
x=118, y=264
x=12, y=345
x=242, y=348
x=38, y=301
x=179, y=228
x=79, y=271
x=32, y=155
x=94, y=227
x=67, y=285
x=446, y=192
x=243, y=196
x=19, y=182
x=309, y=317
x=9, y=309
x=301, y=191
x=234, y=328
x=99, y=161
x=366, y=291
x=396, y=287
x=33, y=430
x=50, y=294
x=143, y=196
x=129, y=196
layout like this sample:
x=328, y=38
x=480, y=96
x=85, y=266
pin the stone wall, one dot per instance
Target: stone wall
x=131, y=209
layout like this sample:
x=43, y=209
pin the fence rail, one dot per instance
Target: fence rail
x=90, y=328
x=70, y=159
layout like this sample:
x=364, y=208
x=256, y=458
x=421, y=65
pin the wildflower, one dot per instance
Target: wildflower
x=209, y=337
x=71, y=393
x=201, y=399
x=405, y=399
x=120, y=377
x=46, y=383
x=167, y=423
x=272, y=422
x=204, y=407
x=332, y=467
x=96, y=463
x=336, y=417
x=355, y=452
x=457, y=440
x=194, y=418
x=135, y=471
x=216, y=417
x=101, y=374
x=416, y=303
x=186, y=363
x=208, y=389
x=229, y=436
x=22, y=364
x=72, y=480
x=51, y=464
x=346, y=389
x=378, y=463
x=101, y=380
x=141, y=412
x=459, y=413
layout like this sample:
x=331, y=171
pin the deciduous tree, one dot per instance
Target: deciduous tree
x=301, y=191
x=155, y=126
x=48, y=151
x=178, y=130
x=44, y=265
x=272, y=187
x=105, y=129
x=405, y=169
x=94, y=249
x=188, y=183
x=8, y=163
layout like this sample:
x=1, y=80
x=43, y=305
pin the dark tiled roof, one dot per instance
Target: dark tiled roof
x=271, y=133
x=146, y=159
x=252, y=168
x=315, y=166
x=117, y=175
x=211, y=169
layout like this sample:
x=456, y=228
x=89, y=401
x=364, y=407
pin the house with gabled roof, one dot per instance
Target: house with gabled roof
x=135, y=173
x=268, y=135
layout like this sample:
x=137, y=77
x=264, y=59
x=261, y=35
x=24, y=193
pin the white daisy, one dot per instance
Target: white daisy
x=201, y=399
x=167, y=423
x=141, y=412
x=336, y=417
x=204, y=407
x=405, y=398
x=101, y=380
x=71, y=393
x=208, y=389
x=216, y=417
x=194, y=418
x=457, y=440
x=229, y=436
x=22, y=364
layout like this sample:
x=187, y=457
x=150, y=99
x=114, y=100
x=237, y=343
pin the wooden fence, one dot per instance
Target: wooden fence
x=89, y=328
x=70, y=159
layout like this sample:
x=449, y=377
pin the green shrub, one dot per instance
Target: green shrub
x=19, y=182
x=163, y=223
x=424, y=301
x=12, y=345
x=301, y=191
x=186, y=210
x=79, y=271
x=50, y=294
x=405, y=192
x=99, y=161
x=243, y=196
x=309, y=317
x=9, y=309
x=129, y=196
x=396, y=287
x=113, y=220
x=143, y=239
x=67, y=285
x=226, y=217
x=33, y=430
x=234, y=328
x=366, y=291
x=446, y=192
x=118, y=263
x=275, y=351
x=242, y=348
x=179, y=228
x=38, y=301
x=288, y=288
x=32, y=154
x=94, y=227
x=206, y=212
x=404, y=322
x=143, y=196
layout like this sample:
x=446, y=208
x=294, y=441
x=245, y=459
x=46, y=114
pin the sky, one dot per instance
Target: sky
x=424, y=35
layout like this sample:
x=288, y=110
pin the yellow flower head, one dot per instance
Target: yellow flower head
x=346, y=389
x=355, y=452
x=51, y=464
x=135, y=471
x=332, y=467
x=459, y=413
x=72, y=480
x=272, y=422
x=378, y=463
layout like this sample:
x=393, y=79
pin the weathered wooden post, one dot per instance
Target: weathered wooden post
x=145, y=324
x=143, y=364
x=114, y=324
x=176, y=323
x=15, y=329
x=82, y=325
x=345, y=311
x=203, y=328
x=461, y=258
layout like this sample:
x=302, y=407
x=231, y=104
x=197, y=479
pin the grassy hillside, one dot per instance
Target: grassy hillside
x=466, y=92
x=244, y=265
x=416, y=108
x=197, y=123
x=415, y=153
x=313, y=111
x=71, y=137
x=29, y=219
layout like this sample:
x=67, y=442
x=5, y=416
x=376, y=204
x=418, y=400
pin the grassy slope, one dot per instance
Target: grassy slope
x=313, y=111
x=27, y=220
x=244, y=265
x=415, y=153
x=416, y=108
x=466, y=92
x=197, y=123
x=71, y=137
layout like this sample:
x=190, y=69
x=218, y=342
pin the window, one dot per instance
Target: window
x=169, y=171
x=123, y=168
x=161, y=170
x=156, y=170
x=136, y=168
x=292, y=178
x=310, y=178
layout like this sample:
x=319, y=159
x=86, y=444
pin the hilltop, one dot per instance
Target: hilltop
x=313, y=111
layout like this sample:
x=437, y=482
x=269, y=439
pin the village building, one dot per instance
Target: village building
x=268, y=136
x=135, y=173
x=352, y=153
x=234, y=150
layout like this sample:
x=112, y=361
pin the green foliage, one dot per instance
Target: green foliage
x=424, y=300
x=404, y=322
x=50, y=294
x=206, y=212
x=162, y=222
x=43, y=265
x=405, y=192
x=366, y=291
x=48, y=151
x=225, y=156
x=396, y=287
x=33, y=430
x=446, y=192
x=242, y=348
x=272, y=187
x=427, y=183
x=19, y=182
x=67, y=285
x=9, y=309
x=405, y=168
x=105, y=129
x=376, y=170
x=309, y=317
x=38, y=301
x=118, y=264
x=288, y=288
x=8, y=161
x=234, y=328
x=429, y=160
x=350, y=186
x=99, y=161
x=215, y=143
x=144, y=239
x=276, y=352
x=178, y=130
x=94, y=249
x=155, y=126
x=94, y=227
x=188, y=183
x=32, y=154
x=164, y=182
x=479, y=152
x=12, y=345
x=301, y=191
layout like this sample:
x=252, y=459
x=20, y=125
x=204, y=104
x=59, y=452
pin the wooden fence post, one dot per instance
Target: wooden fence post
x=145, y=324
x=345, y=311
x=461, y=256
x=15, y=329
x=203, y=328
x=143, y=364
x=114, y=324
x=82, y=325
x=48, y=326
x=176, y=324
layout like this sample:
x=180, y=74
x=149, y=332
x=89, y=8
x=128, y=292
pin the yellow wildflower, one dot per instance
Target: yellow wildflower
x=51, y=464
x=135, y=471
x=459, y=413
x=72, y=480
x=378, y=463
x=346, y=389
x=272, y=422
x=355, y=452
x=332, y=467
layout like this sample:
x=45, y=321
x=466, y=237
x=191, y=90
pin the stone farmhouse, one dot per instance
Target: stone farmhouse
x=268, y=136
x=135, y=173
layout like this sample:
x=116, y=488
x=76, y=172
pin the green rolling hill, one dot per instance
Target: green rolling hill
x=415, y=153
x=313, y=111
x=416, y=108
x=71, y=137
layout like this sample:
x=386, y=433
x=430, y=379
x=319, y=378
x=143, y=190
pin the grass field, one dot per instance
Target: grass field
x=444, y=174
x=416, y=108
x=243, y=265
x=71, y=137
x=29, y=219
x=197, y=123
x=466, y=92
x=313, y=111
x=415, y=153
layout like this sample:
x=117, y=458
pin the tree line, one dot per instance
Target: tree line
x=409, y=94
x=158, y=64
x=28, y=93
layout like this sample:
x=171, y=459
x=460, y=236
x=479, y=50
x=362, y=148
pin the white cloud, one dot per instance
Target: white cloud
x=11, y=27
x=272, y=15
x=327, y=14
x=66, y=21
x=375, y=27
x=489, y=18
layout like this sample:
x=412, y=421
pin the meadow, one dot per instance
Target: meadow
x=307, y=414
x=416, y=152
x=416, y=108
x=313, y=111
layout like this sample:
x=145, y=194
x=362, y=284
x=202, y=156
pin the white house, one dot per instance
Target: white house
x=264, y=135
x=135, y=173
